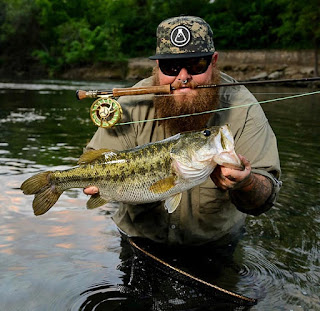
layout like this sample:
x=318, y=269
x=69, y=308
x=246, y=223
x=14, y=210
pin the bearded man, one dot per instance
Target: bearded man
x=215, y=210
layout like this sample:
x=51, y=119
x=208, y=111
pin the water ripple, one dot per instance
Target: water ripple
x=103, y=296
x=258, y=275
x=22, y=117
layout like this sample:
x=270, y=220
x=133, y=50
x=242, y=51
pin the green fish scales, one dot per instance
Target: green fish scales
x=152, y=172
x=119, y=175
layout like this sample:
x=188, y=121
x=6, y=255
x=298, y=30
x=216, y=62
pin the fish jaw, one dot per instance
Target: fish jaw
x=195, y=173
x=229, y=159
x=199, y=163
x=226, y=155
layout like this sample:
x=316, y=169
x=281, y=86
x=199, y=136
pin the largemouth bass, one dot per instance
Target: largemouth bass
x=152, y=172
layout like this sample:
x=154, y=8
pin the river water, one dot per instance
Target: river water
x=72, y=258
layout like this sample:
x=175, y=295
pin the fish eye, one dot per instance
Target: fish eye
x=206, y=133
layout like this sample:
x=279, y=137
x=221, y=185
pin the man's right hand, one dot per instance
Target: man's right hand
x=91, y=190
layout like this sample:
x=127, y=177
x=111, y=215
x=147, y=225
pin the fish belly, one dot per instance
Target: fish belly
x=139, y=193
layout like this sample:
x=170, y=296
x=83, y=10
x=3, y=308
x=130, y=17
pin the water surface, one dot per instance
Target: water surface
x=74, y=259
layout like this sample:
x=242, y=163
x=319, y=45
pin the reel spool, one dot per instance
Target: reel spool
x=105, y=112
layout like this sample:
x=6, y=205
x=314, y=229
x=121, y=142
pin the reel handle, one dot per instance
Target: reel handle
x=105, y=112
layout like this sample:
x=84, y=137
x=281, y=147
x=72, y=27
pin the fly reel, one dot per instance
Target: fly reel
x=105, y=112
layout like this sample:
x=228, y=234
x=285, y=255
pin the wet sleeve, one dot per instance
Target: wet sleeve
x=258, y=144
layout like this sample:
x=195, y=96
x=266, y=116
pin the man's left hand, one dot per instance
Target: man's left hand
x=227, y=178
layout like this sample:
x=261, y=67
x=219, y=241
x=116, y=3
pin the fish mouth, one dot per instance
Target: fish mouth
x=230, y=160
x=237, y=167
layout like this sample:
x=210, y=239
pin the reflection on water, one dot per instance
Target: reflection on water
x=74, y=259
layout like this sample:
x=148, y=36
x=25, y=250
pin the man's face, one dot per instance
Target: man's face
x=186, y=91
x=186, y=99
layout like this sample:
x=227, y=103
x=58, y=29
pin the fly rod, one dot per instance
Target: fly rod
x=167, y=89
x=106, y=111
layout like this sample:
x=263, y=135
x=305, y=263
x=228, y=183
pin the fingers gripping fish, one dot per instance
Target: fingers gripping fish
x=152, y=172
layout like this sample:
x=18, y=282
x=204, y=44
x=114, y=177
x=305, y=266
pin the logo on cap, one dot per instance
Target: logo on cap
x=180, y=36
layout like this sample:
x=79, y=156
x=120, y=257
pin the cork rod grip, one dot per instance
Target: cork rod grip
x=162, y=89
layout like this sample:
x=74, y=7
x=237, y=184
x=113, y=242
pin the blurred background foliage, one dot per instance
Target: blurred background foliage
x=57, y=35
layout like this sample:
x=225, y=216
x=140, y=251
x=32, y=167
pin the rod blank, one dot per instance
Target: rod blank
x=166, y=89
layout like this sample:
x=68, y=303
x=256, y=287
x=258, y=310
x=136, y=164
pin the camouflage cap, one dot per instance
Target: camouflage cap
x=183, y=37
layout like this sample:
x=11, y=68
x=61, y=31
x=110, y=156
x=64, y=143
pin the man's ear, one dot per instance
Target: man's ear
x=214, y=58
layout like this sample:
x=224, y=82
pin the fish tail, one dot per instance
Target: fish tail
x=46, y=194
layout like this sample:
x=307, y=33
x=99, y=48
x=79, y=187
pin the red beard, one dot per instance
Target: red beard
x=167, y=106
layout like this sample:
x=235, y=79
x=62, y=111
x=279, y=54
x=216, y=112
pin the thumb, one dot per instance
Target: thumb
x=91, y=190
x=245, y=162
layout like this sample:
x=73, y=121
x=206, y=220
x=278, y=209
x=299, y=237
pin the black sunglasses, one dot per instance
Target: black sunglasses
x=194, y=66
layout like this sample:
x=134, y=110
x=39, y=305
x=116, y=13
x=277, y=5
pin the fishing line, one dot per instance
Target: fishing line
x=106, y=112
x=229, y=93
x=221, y=109
x=271, y=93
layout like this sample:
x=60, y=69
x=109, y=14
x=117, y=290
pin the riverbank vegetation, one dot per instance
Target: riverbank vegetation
x=52, y=36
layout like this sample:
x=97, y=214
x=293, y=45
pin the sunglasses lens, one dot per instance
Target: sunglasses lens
x=199, y=66
x=194, y=66
x=170, y=67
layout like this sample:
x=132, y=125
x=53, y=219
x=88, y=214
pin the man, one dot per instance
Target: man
x=186, y=57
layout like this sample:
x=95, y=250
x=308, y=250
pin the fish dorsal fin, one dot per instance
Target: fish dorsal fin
x=163, y=185
x=172, y=202
x=96, y=201
x=93, y=155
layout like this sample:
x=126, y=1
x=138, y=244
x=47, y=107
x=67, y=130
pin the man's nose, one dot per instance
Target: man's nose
x=183, y=75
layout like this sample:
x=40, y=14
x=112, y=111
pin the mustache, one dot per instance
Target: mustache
x=179, y=85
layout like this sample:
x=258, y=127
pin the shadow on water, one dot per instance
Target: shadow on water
x=75, y=259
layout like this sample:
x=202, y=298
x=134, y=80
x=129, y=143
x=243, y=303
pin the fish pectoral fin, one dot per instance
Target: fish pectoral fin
x=96, y=201
x=163, y=185
x=93, y=155
x=172, y=202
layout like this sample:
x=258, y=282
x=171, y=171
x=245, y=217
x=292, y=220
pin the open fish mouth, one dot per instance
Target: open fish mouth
x=231, y=160
x=233, y=166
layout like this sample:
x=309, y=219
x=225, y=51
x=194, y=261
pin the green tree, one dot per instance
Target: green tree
x=18, y=32
x=246, y=24
x=77, y=33
x=66, y=33
x=300, y=26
